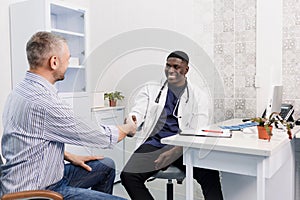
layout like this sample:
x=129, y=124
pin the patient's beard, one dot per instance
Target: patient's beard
x=58, y=77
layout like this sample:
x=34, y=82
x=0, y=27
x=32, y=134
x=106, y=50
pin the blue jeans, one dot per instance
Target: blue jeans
x=77, y=181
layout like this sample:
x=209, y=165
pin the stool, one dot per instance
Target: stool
x=170, y=173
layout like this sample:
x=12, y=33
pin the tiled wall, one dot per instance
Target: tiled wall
x=291, y=54
x=234, y=57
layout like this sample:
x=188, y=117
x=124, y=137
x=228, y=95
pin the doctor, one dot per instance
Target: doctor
x=162, y=111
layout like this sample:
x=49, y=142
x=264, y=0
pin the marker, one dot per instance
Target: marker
x=212, y=131
x=246, y=120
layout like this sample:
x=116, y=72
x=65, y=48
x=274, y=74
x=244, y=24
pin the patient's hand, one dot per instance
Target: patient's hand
x=80, y=160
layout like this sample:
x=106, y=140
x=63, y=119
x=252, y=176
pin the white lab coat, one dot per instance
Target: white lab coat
x=193, y=109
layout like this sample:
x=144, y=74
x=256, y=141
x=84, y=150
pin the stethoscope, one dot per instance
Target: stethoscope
x=162, y=88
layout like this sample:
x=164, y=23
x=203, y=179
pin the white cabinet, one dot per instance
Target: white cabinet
x=70, y=24
x=28, y=17
x=297, y=168
x=111, y=116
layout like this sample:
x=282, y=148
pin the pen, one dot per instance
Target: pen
x=212, y=131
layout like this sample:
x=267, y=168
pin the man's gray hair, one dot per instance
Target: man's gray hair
x=41, y=46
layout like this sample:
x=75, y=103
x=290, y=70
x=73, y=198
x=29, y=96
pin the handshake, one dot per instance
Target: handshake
x=129, y=126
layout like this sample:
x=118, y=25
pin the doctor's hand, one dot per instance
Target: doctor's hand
x=131, y=119
x=168, y=157
x=127, y=129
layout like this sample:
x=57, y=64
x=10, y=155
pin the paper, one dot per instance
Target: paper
x=97, y=100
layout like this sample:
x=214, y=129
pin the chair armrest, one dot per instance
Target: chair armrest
x=41, y=194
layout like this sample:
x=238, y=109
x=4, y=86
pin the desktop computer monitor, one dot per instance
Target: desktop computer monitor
x=275, y=100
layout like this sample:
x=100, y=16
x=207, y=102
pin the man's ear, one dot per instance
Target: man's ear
x=54, y=62
x=187, y=69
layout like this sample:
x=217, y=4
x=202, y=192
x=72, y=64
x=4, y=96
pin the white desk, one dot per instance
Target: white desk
x=251, y=168
x=297, y=166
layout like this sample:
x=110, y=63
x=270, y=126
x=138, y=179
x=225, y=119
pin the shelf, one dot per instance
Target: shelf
x=65, y=95
x=67, y=20
x=76, y=66
x=67, y=32
x=107, y=108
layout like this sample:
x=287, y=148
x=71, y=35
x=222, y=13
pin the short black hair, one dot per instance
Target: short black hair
x=179, y=54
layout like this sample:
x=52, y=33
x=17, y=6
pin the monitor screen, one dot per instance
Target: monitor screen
x=275, y=100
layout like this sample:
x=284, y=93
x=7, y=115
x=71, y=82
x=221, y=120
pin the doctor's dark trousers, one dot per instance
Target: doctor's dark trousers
x=141, y=167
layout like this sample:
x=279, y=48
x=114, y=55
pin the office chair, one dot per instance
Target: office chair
x=32, y=194
x=170, y=173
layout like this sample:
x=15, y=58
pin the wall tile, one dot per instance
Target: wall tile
x=235, y=50
x=291, y=54
x=235, y=55
x=229, y=108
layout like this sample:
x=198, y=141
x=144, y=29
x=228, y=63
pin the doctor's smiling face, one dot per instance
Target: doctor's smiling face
x=176, y=70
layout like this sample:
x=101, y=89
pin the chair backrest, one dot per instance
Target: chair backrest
x=1, y=162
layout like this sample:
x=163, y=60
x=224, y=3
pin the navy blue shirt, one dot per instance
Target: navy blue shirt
x=167, y=124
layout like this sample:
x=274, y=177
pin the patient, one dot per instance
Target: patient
x=38, y=124
x=162, y=111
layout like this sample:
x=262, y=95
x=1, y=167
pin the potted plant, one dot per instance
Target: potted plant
x=113, y=97
x=265, y=125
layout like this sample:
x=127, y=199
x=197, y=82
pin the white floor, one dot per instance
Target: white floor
x=158, y=190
